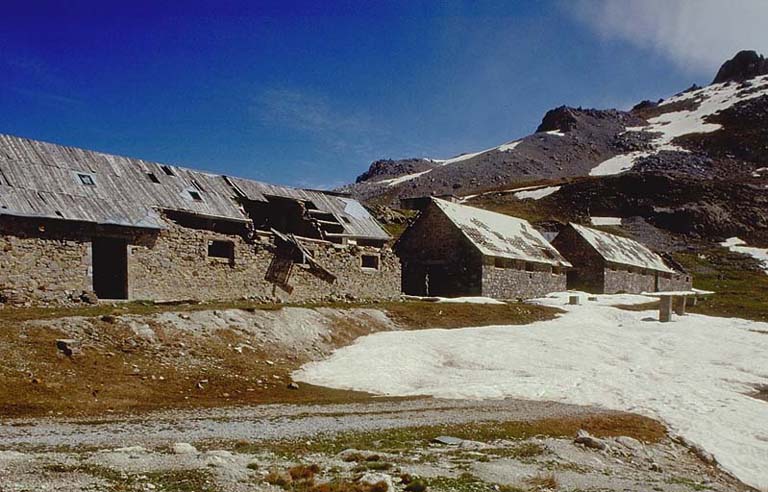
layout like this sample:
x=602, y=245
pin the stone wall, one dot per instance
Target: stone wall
x=676, y=281
x=624, y=280
x=437, y=258
x=50, y=262
x=177, y=267
x=587, y=273
x=514, y=283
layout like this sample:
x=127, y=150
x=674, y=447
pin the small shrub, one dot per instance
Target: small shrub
x=543, y=482
x=416, y=486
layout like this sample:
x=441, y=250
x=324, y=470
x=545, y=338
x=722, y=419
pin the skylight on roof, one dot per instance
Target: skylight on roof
x=86, y=179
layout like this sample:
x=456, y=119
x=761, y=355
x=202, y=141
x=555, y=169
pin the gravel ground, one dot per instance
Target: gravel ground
x=214, y=451
x=269, y=422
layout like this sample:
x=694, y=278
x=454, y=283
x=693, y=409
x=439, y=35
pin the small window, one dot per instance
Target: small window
x=222, y=249
x=370, y=262
x=195, y=196
x=86, y=179
x=197, y=185
x=167, y=170
x=153, y=178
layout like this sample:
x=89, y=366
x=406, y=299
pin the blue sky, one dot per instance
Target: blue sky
x=308, y=94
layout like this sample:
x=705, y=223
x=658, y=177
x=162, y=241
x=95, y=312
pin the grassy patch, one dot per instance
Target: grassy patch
x=117, y=372
x=460, y=315
x=404, y=439
x=741, y=289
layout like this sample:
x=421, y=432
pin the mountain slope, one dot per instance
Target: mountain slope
x=695, y=164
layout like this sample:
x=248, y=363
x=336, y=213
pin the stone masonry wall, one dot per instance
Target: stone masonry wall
x=45, y=262
x=630, y=282
x=511, y=283
x=178, y=267
x=433, y=246
x=587, y=271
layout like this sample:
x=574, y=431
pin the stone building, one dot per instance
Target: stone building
x=74, y=223
x=456, y=250
x=605, y=263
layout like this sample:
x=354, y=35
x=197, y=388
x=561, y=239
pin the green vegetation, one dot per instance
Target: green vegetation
x=405, y=439
x=165, y=481
x=741, y=287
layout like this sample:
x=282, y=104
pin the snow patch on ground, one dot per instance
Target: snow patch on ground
x=403, y=179
x=617, y=164
x=739, y=246
x=538, y=193
x=694, y=373
x=605, y=221
x=556, y=133
x=508, y=146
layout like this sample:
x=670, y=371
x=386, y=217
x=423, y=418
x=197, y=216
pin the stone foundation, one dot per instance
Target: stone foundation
x=511, y=283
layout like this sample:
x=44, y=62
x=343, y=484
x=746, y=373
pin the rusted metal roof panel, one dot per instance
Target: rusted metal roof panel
x=622, y=250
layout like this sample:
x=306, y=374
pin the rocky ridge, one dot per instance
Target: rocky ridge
x=693, y=164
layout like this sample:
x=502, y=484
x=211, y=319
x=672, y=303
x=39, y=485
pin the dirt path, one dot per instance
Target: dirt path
x=270, y=422
x=508, y=445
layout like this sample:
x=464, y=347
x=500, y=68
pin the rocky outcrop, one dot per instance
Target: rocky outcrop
x=388, y=168
x=745, y=65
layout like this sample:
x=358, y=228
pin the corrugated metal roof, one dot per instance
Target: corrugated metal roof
x=39, y=179
x=622, y=250
x=501, y=235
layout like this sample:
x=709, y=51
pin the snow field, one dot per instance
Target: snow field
x=696, y=373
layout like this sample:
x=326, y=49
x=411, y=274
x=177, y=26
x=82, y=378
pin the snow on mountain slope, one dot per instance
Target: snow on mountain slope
x=739, y=246
x=696, y=373
x=698, y=105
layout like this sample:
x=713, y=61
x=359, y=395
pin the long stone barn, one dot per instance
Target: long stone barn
x=455, y=250
x=76, y=223
x=605, y=263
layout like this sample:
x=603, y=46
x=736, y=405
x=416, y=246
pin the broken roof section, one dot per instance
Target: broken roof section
x=622, y=250
x=501, y=235
x=39, y=179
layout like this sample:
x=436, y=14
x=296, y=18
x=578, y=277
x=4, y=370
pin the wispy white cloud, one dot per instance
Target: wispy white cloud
x=316, y=116
x=697, y=35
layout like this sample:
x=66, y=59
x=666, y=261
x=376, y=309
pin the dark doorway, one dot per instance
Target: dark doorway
x=110, y=268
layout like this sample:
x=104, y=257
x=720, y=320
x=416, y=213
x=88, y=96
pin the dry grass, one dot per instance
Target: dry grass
x=417, y=315
x=116, y=372
x=543, y=482
x=603, y=425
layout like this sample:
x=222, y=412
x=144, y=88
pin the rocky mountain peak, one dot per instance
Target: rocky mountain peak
x=388, y=168
x=745, y=65
x=561, y=118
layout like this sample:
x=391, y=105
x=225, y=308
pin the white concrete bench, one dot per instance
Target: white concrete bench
x=675, y=301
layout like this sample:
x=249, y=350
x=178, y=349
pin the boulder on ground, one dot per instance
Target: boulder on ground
x=585, y=439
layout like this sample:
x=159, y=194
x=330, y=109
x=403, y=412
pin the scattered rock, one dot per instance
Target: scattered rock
x=448, y=440
x=293, y=386
x=68, y=346
x=378, y=479
x=585, y=439
x=183, y=448
x=89, y=297
x=416, y=486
